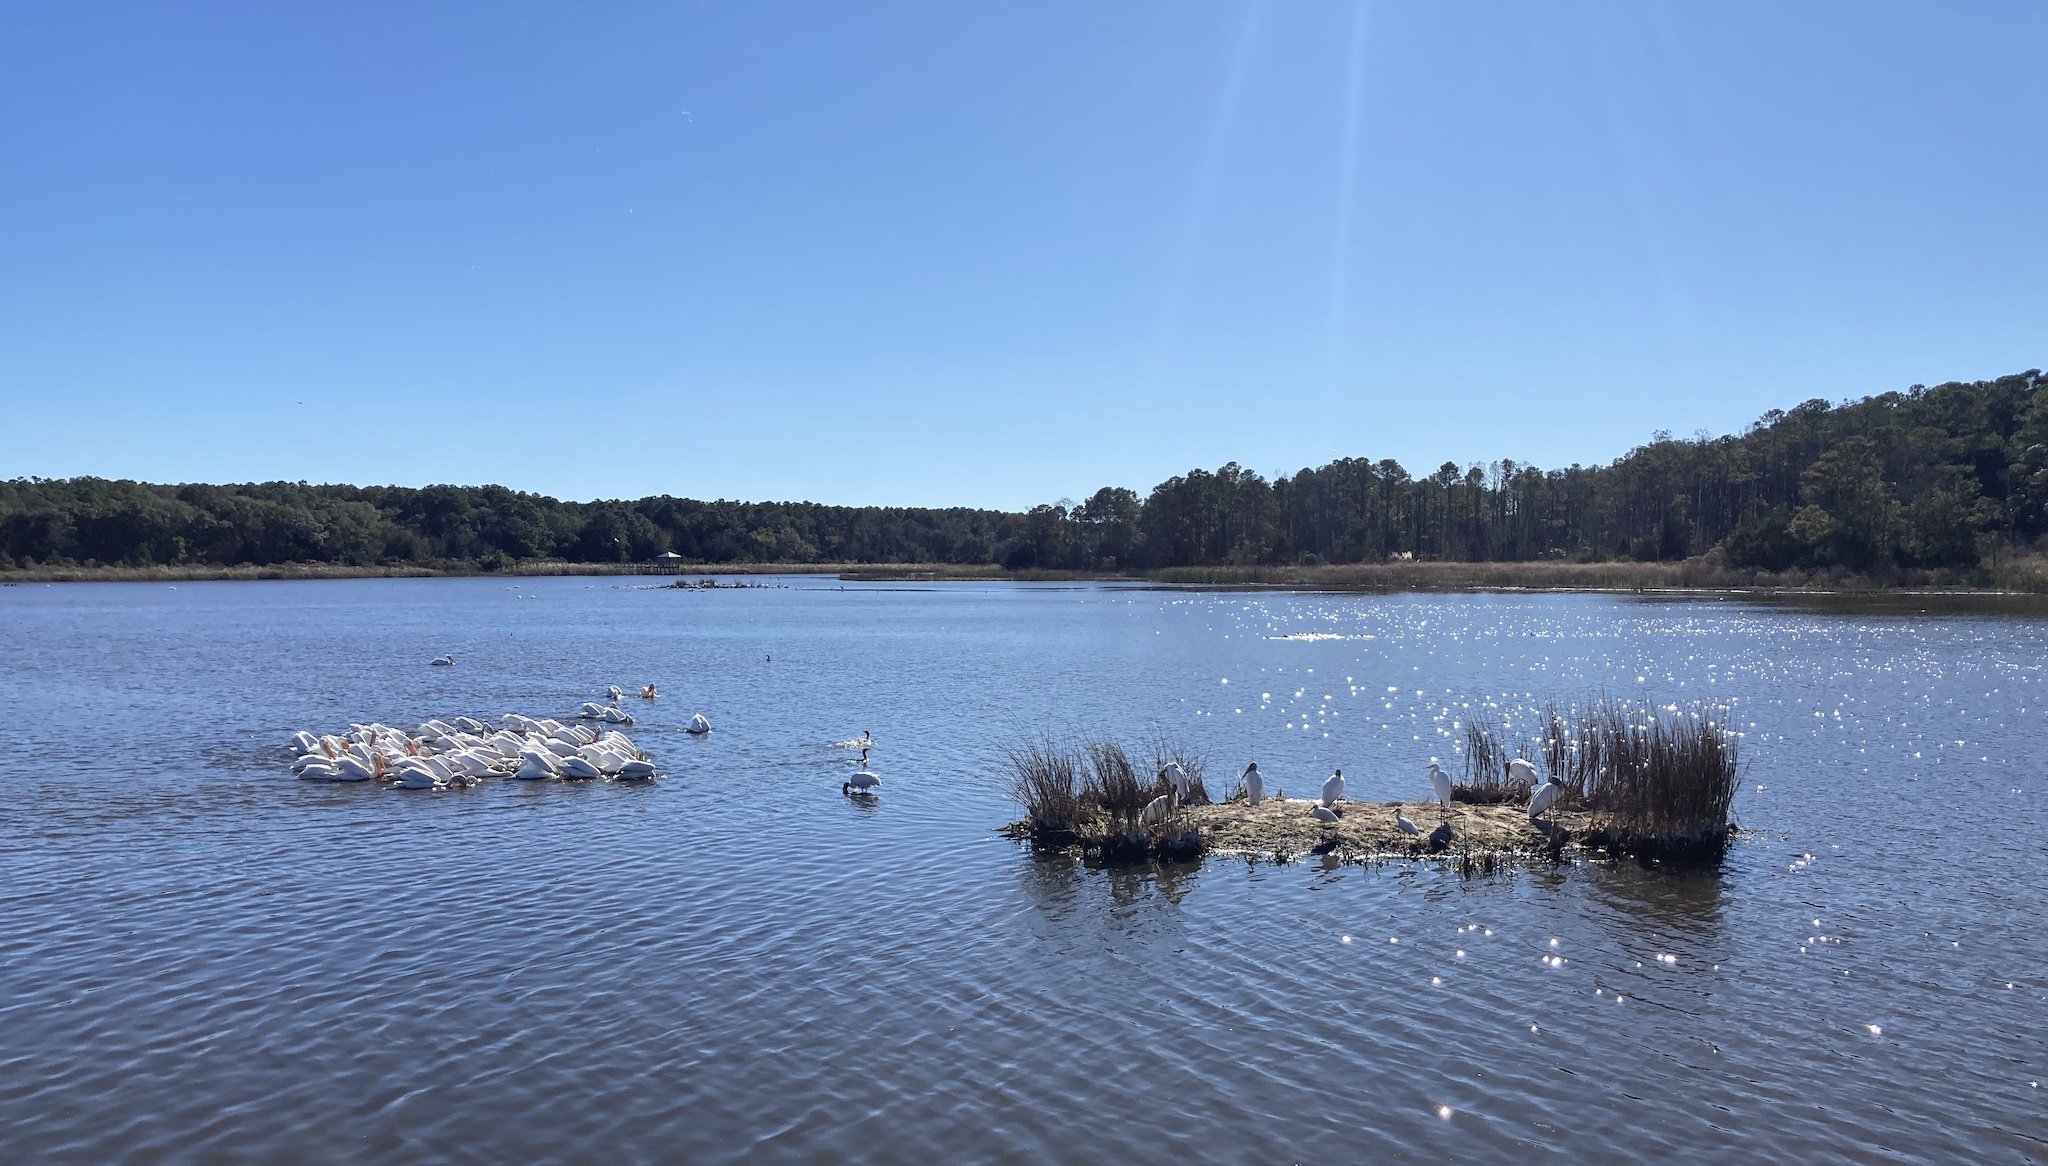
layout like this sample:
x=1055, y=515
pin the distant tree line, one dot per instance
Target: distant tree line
x=1929, y=478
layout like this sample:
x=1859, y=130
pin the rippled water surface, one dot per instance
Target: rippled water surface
x=204, y=960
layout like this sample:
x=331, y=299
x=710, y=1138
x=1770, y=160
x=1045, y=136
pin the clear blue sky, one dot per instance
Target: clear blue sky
x=989, y=253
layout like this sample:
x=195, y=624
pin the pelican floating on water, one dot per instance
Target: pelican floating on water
x=699, y=725
x=863, y=782
x=648, y=693
x=444, y=660
x=615, y=693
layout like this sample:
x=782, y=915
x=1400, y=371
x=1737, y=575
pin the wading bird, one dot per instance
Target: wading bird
x=1522, y=770
x=1544, y=797
x=1175, y=776
x=1402, y=822
x=1156, y=810
x=1324, y=814
x=1254, y=784
x=1333, y=789
x=1441, y=785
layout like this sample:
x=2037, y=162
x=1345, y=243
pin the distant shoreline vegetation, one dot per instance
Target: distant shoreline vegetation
x=1931, y=487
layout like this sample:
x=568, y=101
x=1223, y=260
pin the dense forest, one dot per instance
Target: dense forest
x=1947, y=477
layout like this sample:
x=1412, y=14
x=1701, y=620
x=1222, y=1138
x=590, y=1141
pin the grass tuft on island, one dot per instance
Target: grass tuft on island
x=1651, y=783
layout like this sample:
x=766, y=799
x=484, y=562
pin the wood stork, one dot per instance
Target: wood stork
x=863, y=783
x=1333, y=789
x=1156, y=810
x=1324, y=814
x=1405, y=825
x=1172, y=774
x=1523, y=771
x=1441, y=785
x=1545, y=797
x=1254, y=784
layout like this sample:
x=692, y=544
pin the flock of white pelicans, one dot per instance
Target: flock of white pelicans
x=454, y=754
x=1521, y=769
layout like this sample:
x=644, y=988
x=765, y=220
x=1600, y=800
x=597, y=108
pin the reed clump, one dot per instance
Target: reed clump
x=1093, y=794
x=1660, y=780
x=1486, y=779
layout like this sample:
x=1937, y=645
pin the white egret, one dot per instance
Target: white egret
x=864, y=783
x=1333, y=789
x=699, y=726
x=1441, y=785
x=1402, y=822
x=1254, y=784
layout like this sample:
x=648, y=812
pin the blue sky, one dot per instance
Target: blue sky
x=989, y=253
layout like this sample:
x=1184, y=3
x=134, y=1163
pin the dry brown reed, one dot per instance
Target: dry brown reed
x=1662, y=779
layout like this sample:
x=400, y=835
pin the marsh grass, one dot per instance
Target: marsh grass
x=1486, y=780
x=1046, y=779
x=1092, y=793
x=1661, y=779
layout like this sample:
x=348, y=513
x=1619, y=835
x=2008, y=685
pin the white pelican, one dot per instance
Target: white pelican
x=1254, y=784
x=1522, y=770
x=1544, y=797
x=578, y=766
x=1441, y=785
x=535, y=765
x=613, y=716
x=648, y=693
x=699, y=726
x=1324, y=814
x=450, y=659
x=1333, y=789
x=863, y=782
x=305, y=742
x=637, y=771
x=319, y=771
x=591, y=710
x=419, y=779
x=616, y=693
x=1402, y=822
x=470, y=725
x=1155, y=810
x=354, y=768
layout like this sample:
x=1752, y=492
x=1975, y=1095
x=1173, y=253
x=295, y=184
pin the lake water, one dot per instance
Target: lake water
x=204, y=960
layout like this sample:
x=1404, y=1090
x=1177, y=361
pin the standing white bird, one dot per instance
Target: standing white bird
x=1174, y=775
x=1441, y=785
x=1254, y=784
x=1324, y=814
x=1522, y=771
x=1544, y=797
x=863, y=782
x=699, y=726
x=1405, y=825
x=1333, y=789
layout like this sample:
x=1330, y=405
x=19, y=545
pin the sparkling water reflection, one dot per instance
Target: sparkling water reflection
x=202, y=959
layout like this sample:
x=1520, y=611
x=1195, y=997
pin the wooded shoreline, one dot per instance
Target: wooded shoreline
x=2023, y=576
